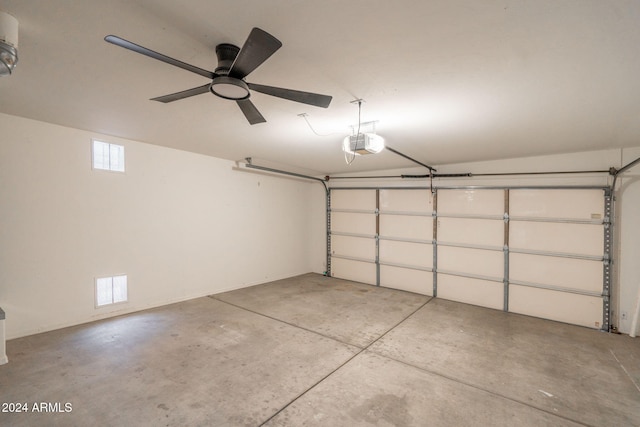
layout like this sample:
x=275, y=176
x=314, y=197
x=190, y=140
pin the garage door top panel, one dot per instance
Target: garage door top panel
x=471, y=202
x=353, y=199
x=565, y=204
x=406, y=201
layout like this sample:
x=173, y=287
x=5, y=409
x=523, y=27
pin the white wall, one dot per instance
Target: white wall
x=180, y=225
x=627, y=262
x=628, y=235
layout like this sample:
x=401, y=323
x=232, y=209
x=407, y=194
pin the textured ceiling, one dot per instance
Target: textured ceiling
x=448, y=81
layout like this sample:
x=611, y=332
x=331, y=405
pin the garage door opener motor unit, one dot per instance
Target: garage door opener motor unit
x=365, y=143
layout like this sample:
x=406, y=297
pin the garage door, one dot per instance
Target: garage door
x=543, y=252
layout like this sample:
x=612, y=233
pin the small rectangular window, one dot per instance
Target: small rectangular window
x=108, y=156
x=111, y=290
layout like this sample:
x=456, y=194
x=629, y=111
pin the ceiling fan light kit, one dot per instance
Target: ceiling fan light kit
x=229, y=88
x=8, y=43
x=227, y=81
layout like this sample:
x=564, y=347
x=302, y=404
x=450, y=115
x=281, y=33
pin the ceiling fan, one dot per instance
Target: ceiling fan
x=227, y=81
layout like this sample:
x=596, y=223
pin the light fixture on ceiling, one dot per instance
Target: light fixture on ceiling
x=229, y=88
x=8, y=43
x=363, y=139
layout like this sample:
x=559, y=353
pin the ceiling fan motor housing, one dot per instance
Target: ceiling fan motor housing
x=226, y=54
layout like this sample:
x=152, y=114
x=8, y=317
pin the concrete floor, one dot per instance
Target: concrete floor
x=311, y=350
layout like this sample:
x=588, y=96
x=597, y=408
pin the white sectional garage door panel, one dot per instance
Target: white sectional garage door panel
x=405, y=245
x=353, y=223
x=364, y=272
x=406, y=227
x=471, y=291
x=406, y=253
x=353, y=199
x=417, y=201
x=471, y=202
x=568, y=204
x=406, y=279
x=571, y=273
x=469, y=231
x=471, y=261
x=353, y=230
x=471, y=220
x=586, y=239
x=556, y=263
x=576, y=309
x=354, y=247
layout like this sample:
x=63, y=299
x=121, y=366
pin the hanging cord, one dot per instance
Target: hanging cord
x=304, y=116
x=353, y=154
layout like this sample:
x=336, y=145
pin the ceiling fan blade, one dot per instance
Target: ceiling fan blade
x=293, y=95
x=259, y=46
x=250, y=111
x=184, y=94
x=155, y=55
